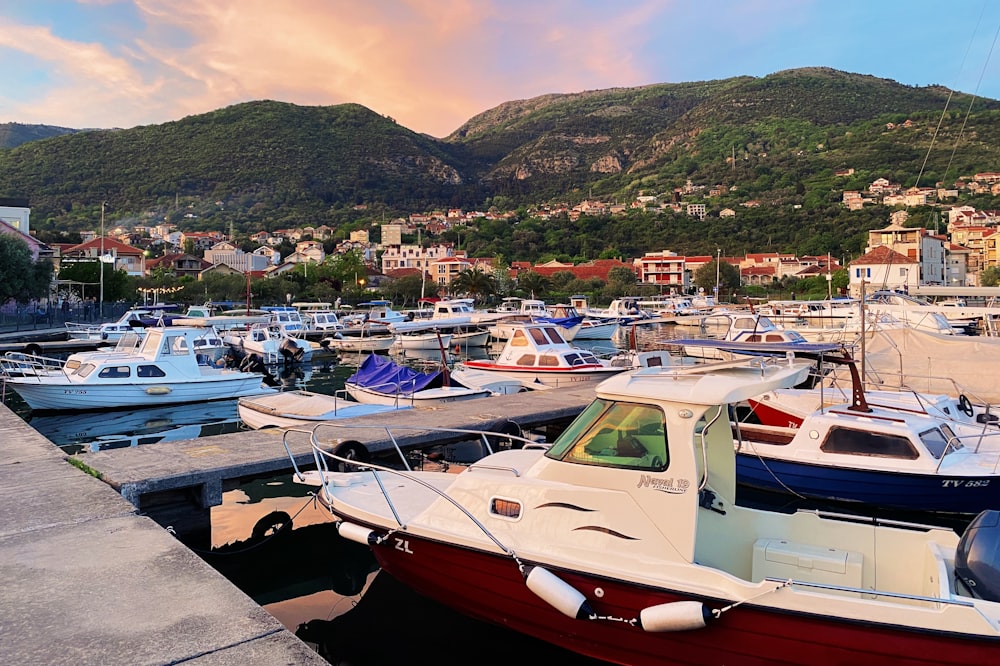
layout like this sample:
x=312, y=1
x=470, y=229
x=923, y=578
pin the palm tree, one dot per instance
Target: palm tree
x=532, y=283
x=473, y=283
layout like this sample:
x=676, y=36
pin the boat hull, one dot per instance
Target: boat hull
x=423, y=398
x=906, y=491
x=490, y=587
x=554, y=378
x=50, y=395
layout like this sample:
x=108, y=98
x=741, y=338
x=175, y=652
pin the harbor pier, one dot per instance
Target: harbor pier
x=92, y=577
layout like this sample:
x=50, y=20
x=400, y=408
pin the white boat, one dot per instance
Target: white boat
x=739, y=327
x=590, y=328
x=454, y=318
x=286, y=320
x=380, y=381
x=537, y=353
x=163, y=369
x=134, y=320
x=623, y=541
x=340, y=342
x=270, y=344
x=910, y=311
x=420, y=334
x=909, y=358
x=624, y=310
x=301, y=409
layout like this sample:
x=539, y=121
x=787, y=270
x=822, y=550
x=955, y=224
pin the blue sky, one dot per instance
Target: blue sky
x=433, y=64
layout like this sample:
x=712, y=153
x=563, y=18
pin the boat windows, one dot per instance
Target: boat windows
x=115, y=372
x=85, y=370
x=149, y=371
x=549, y=361
x=526, y=359
x=937, y=441
x=863, y=443
x=615, y=434
x=518, y=339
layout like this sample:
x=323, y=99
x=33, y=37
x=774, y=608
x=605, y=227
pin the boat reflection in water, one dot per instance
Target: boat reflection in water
x=101, y=430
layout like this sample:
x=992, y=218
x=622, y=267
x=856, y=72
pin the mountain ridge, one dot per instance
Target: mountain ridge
x=269, y=164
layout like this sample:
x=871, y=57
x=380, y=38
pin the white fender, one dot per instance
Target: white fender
x=675, y=616
x=558, y=593
x=361, y=535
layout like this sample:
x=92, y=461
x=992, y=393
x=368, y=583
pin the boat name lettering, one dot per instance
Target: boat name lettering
x=74, y=392
x=403, y=546
x=673, y=486
x=965, y=483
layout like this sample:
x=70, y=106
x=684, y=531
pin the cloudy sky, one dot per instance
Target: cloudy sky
x=433, y=64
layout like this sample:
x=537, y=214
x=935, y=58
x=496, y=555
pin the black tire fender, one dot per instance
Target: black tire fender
x=351, y=450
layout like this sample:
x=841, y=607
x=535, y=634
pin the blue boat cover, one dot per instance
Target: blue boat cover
x=381, y=374
x=565, y=322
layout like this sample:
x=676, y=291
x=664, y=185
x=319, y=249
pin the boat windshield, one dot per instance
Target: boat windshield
x=615, y=434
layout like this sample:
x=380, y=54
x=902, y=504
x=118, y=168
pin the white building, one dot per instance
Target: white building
x=16, y=213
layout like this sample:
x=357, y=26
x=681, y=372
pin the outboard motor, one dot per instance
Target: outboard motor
x=291, y=351
x=977, y=558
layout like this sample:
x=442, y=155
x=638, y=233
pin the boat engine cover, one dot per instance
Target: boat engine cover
x=977, y=557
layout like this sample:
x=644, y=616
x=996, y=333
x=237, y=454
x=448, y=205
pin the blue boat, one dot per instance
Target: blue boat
x=881, y=455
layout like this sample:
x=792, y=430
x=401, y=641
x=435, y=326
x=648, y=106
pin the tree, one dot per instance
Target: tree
x=990, y=277
x=16, y=269
x=117, y=284
x=532, y=283
x=473, y=283
x=728, y=277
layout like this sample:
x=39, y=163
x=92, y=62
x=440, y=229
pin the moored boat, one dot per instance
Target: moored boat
x=381, y=381
x=537, y=353
x=164, y=368
x=623, y=541
x=299, y=409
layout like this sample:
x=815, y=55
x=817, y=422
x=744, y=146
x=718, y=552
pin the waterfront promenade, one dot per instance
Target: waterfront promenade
x=87, y=580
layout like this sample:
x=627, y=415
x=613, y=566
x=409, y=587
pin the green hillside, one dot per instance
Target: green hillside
x=777, y=139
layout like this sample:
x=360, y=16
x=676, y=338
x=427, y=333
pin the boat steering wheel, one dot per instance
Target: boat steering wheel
x=965, y=405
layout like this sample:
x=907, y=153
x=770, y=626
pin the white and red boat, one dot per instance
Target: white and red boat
x=623, y=541
x=538, y=354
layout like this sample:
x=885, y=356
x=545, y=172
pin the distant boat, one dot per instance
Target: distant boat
x=270, y=344
x=537, y=353
x=134, y=320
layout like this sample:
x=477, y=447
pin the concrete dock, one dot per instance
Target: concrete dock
x=90, y=579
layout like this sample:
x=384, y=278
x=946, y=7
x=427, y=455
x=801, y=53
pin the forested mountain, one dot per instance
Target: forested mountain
x=778, y=139
x=14, y=134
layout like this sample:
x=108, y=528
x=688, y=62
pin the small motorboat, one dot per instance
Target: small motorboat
x=300, y=409
x=623, y=541
x=381, y=381
x=537, y=353
x=162, y=367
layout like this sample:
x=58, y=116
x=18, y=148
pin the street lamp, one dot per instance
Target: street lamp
x=101, y=263
x=718, y=262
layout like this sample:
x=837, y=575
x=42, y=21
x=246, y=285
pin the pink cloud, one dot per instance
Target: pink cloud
x=430, y=64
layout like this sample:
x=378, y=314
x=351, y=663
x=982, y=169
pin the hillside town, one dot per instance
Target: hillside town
x=895, y=257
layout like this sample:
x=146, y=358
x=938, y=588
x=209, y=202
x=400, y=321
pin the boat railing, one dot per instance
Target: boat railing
x=23, y=365
x=488, y=439
x=866, y=592
x=323, y=457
